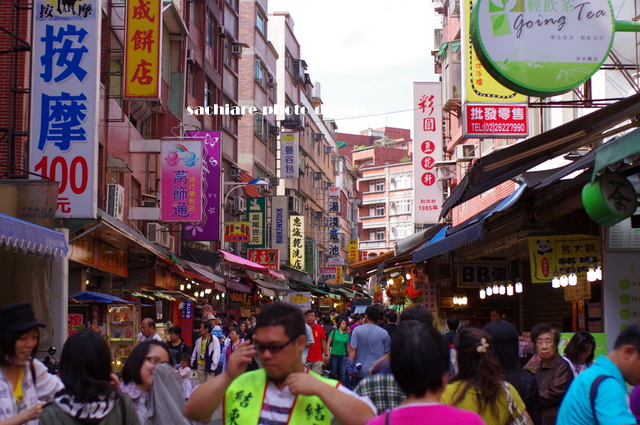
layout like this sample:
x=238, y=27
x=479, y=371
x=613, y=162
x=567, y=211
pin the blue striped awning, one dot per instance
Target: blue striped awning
x=28, y=238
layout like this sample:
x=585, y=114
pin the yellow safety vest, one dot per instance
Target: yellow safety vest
x=244, y=397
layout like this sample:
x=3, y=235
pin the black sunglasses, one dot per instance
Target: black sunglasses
x=274, y=349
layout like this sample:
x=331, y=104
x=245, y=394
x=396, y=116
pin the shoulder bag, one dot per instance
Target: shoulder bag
x=521, y=418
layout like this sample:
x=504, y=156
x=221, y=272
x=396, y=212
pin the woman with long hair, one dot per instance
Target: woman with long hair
x=579, y=352
x=419, y=359
x=338, y=339
x=90, y=396
x=478, y=385
x=505, y=347
x=25, y=384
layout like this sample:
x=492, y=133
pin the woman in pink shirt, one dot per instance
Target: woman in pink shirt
x=420, y=365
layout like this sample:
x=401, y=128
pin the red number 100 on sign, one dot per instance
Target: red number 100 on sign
x=76, y=175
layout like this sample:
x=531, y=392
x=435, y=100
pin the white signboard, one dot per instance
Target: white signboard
x=621, y=292
x=302, y=300
x=427, y=150
x=65, y=83
x=289, y=156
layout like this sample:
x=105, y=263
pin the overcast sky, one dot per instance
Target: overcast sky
x=366, y=55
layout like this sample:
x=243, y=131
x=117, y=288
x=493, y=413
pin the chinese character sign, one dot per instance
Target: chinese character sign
x=209, y=228
x=427, y=149
x=289, y=156
x=296, y=242
x=64, y=102
x=143, y=32
x=549, y=254
x=256, y=208
x=333, y=206
x=498, y=120
x=181, y=198
x=333, y=192
x=265, y=256
x=479, y=85
x=327, y=273
x=280, y=224
x=352, y=251
x=237, y=231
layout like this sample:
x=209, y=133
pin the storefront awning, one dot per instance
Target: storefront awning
x=463, y=234
x=370, y=263
x=272, y=286
x=238, y=287
x=318, y=290
x=29, y=238
x=297, y=275
x=242, y=263
x=623, y=150
x=217, y=280
x=414, y=241
x=504, y=164
x=97, y=297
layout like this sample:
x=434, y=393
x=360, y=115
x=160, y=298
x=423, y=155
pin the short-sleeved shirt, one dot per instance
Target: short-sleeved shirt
x=315, y=351
x=309, y=335
x=611, y=403
x=339, y=342
x=371, y=343
x=470, y=402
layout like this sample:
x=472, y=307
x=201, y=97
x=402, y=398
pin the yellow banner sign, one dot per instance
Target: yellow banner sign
x=352, y=251
x=296, y=242
x=479, y=85
x=143, y=32
x=549, y=254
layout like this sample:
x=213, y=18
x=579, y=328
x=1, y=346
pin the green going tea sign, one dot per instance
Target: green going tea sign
x=542, y=47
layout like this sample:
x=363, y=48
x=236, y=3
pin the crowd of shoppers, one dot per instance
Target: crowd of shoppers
x=383, y=370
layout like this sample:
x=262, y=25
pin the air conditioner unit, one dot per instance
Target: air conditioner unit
x=318, y=137
x=328, y=184
x=317, y=175
x=222, y=31
x=239, y=206
x=445, y=170
x=170, y=243
x=150, y=204
x=115, y=201
x=465, y=152
x=154, y=232
x=274, y=130
x=271, y=81
x=328, y=149
x=318, y=214
x=350, y=194
x=235, y=173
x=236, y=49
x=191, y=55
x=274, y=181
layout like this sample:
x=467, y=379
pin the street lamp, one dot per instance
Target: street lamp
x=257, y=182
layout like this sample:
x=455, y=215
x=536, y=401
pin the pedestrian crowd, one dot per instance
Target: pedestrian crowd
x=285, y=366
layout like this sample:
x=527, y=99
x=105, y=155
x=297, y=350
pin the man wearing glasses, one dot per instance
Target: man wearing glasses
x=599, y=394
x=283, y=391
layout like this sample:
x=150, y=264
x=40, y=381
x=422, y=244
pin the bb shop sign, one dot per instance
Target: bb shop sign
x=542, y=48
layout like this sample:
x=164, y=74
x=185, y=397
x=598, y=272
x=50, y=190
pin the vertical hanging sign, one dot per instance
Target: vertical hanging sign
x=65, y=84
x=280, y=225
x=427, y=149
x=143, y=33
x=296, y=242
x=352, y=255
x=209, y=228
x=256, y=208
x=289, y=156
x=181, y=198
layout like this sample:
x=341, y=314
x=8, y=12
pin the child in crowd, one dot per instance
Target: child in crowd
x=185, y=373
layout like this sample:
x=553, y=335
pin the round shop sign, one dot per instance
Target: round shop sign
x=609, y=199
x=542, y=48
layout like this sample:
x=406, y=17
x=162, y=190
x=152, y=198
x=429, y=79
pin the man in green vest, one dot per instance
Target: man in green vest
x=283, y=391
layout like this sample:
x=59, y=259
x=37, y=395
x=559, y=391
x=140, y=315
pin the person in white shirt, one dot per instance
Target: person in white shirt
x=148, y=330
x=206, y=353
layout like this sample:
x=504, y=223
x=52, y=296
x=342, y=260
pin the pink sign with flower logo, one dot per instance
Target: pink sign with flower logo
x=181, y=197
